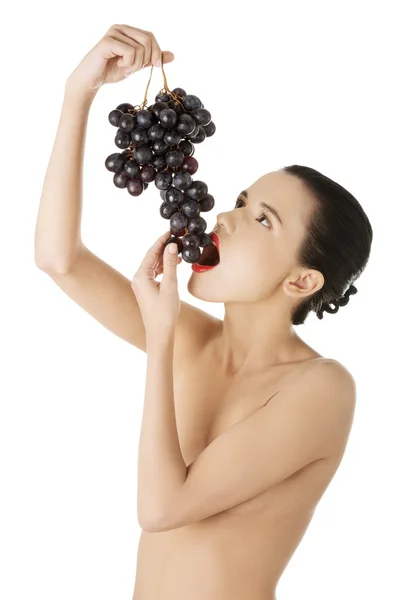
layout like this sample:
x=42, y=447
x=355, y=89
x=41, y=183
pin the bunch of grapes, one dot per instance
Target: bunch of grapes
x=157, y=144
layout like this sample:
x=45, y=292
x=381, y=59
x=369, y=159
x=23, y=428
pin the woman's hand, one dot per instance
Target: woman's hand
x=122, y=49
x=159, y=302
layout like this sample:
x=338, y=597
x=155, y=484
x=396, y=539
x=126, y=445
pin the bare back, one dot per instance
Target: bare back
x=241, y=552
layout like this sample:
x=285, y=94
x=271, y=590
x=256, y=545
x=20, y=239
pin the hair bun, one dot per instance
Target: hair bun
x=326, y=306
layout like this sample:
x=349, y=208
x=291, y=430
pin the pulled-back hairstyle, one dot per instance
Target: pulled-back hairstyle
x=337, y=242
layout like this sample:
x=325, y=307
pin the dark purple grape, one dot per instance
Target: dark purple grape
x=160, y=147
x=209, y=129
x=197, y=190
x=158, y=107
x=114, y=117
x=190, y=165
x=145, y=185
x=191, y=255
x=115, y=162
x=182, y=180
x=172, y=137
x=197, y=225
x=135, y=186
x=163, y=194
x=190, y=102
x=163, y=180
x=193, y=134
x=174, y=195
x=121, y=180
x=148, y=173
x=127, y=123
x=167, y=210
x=178, y=222
x=125, y=107
x=186, y=125
x=205, y=239
x=207, y=203
x=128, y=153
x=201, y=115
x=190, y=240
x=145, y=118
x=177, y=107
x=200, y=137
x=122, y=140
x=175, y=240
x=179, y=92
x=187, y=147
x=162, y=98
x=168, y=118
x=139, y=136
x=143, y=154
x=132, y=168
x=156, y=132
x=159, y=162
x=174, y=158
x=191, y=208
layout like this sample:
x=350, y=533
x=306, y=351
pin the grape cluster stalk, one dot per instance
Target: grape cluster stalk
x=157, y=144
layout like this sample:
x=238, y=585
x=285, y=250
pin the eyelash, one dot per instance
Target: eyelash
x=260, y=218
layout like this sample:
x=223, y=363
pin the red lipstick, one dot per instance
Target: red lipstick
x=202, y=268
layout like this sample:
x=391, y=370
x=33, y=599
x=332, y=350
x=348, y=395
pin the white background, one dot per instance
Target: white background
x=311, y=83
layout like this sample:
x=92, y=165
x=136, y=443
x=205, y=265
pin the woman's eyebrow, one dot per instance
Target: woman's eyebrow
x=271, y=209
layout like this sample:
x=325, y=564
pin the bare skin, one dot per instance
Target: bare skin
x=241, y=552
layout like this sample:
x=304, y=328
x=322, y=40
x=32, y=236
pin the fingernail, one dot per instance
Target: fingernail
x=127, y=73
x=172, y=248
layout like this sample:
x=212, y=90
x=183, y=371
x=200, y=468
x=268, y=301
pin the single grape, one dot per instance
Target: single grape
x=132, y=168
x=143, y=154
x=197, y=190
x=205, y=239
x=159, y=162
x=191, y=208
x=172, y=137
x=200, y=137
x=148, y=173
x=114, y=117
x=168, y=118
x=167, y=209
x=145, y=118
x=178, y=222
x=187, y=147
x=122, y=140
x=207, y=203
x=139, y=136
x=156, y=132
x=174, y=158
x=135, y=186
x=191, y=255
x=162, y=98
x=125, y=107
x=179, y=92
x=197, y=225
x=191, y=240
x=163, y=180
x=120, y=180
x=201, y=116
x=186, y=124
x=209, y=129
x=174, y=195
x=160, y=147
x=158, y=107
x=127, y=122
x=182, y=180
x=115, y=162
x=190, y=165
x=190, y=102
x=175, y=240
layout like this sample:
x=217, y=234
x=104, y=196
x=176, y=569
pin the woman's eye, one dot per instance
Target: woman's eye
x=261, y=218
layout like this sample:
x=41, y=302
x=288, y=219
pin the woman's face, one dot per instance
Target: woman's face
x=257, y=250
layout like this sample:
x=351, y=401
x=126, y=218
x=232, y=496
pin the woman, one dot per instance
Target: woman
x=244, y=425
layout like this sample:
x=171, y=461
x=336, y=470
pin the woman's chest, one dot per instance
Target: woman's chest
x=208, y=403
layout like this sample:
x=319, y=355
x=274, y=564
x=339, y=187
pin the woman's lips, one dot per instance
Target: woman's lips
x=202, y=268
